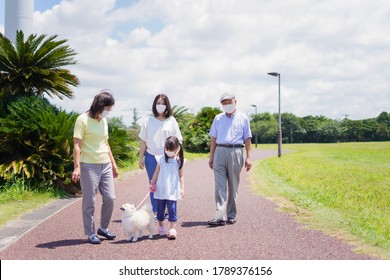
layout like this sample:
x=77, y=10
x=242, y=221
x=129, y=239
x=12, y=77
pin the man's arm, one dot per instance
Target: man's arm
x=213, y=145
x=248, y=149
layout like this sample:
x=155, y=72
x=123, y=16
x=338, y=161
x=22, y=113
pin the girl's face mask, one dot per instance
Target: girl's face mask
x=171, y=154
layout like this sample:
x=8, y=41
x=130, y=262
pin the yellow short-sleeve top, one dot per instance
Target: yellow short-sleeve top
x=94, y=135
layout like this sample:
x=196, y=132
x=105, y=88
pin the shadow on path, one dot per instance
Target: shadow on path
x=194, y=224
x=61, y=243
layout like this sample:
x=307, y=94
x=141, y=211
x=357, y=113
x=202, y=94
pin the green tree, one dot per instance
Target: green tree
x=291, y=128
x=384, y=118
x=34, y=68
x=312, y=124
x=266, y=128
x=179, y=112
x=382, y=133
x=183, y=117
x=328, y=132
x=369, y=129
x=359, y=130
x=352, y=130
x=196, y=136
x=134, y=124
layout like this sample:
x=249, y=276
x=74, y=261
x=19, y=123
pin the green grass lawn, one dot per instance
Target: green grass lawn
x=341, y=188
x=18, y=200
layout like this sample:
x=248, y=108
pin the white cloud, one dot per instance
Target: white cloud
x=333, y=56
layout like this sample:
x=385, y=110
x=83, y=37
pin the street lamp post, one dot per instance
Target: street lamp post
x=255, y=126
x=275, y=74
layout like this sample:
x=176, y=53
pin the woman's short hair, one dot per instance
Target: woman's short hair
x=101, y=100
x=168, y=111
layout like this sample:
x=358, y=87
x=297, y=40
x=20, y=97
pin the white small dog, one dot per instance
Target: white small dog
x=134, y=221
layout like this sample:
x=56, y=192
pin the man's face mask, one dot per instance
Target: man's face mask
x=229, y=108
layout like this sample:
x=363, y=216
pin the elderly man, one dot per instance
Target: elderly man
x=230, y=133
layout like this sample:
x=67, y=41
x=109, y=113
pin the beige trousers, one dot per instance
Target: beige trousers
x=94, y=178
x=227, y=165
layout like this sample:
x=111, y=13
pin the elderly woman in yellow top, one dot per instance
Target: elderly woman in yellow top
x=94, y=165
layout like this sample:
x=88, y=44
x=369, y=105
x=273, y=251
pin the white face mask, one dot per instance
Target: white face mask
x=160, y=108
x=170, y=153
x=104, y=113
x=229, y=108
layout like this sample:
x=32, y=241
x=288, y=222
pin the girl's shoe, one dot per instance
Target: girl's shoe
x=172, y=234
x=162, y=231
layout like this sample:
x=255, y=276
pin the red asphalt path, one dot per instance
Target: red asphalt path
x=261, y=231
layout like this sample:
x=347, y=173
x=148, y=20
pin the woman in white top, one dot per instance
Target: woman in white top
x=155, y=130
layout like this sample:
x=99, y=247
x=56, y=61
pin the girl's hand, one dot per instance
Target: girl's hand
x=152, y=187
x=181, y=194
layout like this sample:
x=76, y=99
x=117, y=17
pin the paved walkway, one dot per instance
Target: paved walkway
x=55, y=232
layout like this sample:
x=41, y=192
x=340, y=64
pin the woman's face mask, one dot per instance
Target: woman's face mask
x=160, y=108
x=104, y=113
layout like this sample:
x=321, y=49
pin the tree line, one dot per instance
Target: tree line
x=320, y=129
x=309, y=129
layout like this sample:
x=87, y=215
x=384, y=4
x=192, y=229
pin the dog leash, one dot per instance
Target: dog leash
x=143, y=200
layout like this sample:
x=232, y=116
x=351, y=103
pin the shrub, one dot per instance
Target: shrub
x=120, y=142
x=196, y=134
x=36, y=142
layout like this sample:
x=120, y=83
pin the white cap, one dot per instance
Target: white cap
x=227, y=95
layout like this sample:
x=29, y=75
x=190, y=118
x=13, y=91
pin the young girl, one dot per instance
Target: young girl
x=168, y=184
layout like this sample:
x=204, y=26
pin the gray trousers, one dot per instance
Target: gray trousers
x=227, y=165
x=94, y=177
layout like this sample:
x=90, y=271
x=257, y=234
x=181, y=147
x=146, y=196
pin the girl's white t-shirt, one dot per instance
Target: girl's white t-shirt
x=154, y=132
x=168, y=181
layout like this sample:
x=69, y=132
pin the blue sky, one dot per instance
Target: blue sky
x=43, y=5
x=333, y=56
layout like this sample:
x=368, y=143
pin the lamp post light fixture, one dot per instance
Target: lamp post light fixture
x=275, y=74
x=255, y=126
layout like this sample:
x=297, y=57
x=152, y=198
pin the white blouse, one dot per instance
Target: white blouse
x=154, y=132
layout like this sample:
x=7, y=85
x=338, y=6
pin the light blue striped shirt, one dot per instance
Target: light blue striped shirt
x=231, y=130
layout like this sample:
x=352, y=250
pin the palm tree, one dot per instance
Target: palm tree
x=179, y=112
x=182, y=116
x=35, y=67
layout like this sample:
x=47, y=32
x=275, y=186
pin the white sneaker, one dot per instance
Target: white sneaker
x=172, y=234
x=162, y=231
